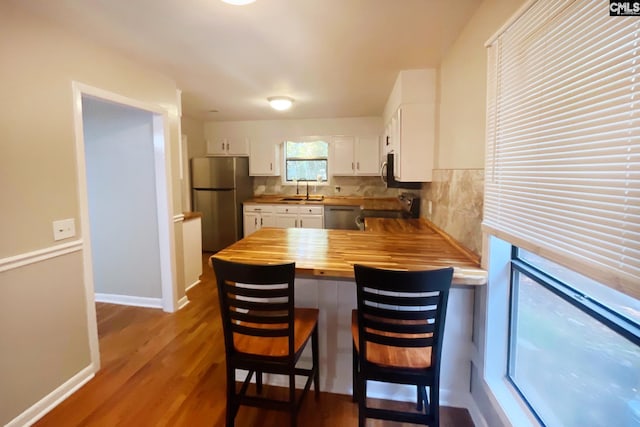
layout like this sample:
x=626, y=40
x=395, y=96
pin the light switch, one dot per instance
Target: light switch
x=64, y=228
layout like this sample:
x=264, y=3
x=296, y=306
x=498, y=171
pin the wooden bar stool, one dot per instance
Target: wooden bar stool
x=264, y=333
x=397, y=337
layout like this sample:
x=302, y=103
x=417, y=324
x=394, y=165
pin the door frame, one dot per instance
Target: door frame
x=166, y=235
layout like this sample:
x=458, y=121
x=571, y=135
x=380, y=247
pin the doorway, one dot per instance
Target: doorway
x=120, y=171
x=128, y=244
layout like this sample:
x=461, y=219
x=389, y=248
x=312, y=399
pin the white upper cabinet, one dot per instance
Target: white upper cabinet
x=264, y=158
x=410, y=125
x=234, y=146
x=354, y=155
x=342, y=149
x=367, y=155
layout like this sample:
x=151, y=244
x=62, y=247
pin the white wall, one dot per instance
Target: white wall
x=463, y=87
x=122, y=199
x=194, y=130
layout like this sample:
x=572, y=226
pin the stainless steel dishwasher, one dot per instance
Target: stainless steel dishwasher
x=341, y=217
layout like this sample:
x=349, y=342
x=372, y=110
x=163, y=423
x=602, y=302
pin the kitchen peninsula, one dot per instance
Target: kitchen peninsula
x=325, y=279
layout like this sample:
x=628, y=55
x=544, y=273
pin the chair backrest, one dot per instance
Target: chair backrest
x=402, y=308
x=256, y=301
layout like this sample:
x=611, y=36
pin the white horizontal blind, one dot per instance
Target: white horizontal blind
x=563, y=139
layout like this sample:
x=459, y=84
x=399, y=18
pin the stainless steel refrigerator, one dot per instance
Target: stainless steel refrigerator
x=220, y=186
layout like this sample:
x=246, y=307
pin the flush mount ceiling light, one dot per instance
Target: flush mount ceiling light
x=280, y=103
x=238, y=2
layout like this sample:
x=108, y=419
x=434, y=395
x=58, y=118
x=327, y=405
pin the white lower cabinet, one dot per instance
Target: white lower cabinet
x=256, y=216
x=304, y=216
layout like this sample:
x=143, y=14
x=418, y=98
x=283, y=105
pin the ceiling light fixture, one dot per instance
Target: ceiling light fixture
x=238, y=2
x=280, y=103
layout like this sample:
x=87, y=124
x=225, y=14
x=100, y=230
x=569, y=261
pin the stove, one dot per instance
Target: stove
x=409, y=208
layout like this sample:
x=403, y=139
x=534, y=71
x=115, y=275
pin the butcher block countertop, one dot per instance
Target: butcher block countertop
x=332, y=253
x=371, y=203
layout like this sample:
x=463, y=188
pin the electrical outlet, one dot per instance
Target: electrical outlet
x=64, y=228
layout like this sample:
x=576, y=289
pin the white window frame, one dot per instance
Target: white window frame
x=302, y=184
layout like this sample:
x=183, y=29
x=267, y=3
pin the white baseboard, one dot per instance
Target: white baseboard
x=197, y=282
x=476, y=414
x=53, y=399
x=183, y=302
x=129, y=300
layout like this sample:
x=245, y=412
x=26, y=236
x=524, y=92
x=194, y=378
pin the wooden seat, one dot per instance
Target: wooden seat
x=264, y=332
x=397, y=335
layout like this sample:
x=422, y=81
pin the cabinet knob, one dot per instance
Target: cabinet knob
x=352, y=168
x=256, y=221
x=227, y=146
x=300, y=223
x=261, y=222
x=358, y=165
x=296, y=223
x=222, y=145
x=271, y=166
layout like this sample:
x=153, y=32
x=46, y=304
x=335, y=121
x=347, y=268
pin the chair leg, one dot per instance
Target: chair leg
x=259, y=382
x=316, y=362
x=354, y=372
x=434, y=404
x=362, y=400
x=421, y=395
x=293, y=413
x=231, y=397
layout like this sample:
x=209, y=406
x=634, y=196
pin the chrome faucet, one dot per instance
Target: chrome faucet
x=307, y=189
x=297, y=192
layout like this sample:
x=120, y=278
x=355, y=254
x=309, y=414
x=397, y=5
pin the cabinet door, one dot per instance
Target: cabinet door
x=311, y=221
x=237, y=146
x=342, y=149
x=416, y=141
x=267, y=220
x=263, y=158
x=367, y=156
x=217, y=147
x=286, y=220
x=251, y=222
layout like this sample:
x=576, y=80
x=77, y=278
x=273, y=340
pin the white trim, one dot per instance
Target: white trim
x=476, y=413
x=178, y=218
x=197, y=282
x=129, y=300
x=39, y=255
x=83, y=201
x=518, y=13
x=166, y=233
x=183, y=302
x=53, y=399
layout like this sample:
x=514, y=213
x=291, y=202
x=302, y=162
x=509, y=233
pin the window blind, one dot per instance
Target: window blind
x=563, y=138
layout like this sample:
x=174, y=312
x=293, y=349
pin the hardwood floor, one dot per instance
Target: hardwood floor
x=161, y=369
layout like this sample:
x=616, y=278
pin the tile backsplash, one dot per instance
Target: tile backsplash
x=363, y=186
x=457, y=196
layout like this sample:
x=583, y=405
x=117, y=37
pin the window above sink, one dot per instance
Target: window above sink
x=306, y=160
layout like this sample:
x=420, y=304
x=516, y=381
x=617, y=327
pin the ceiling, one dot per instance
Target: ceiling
x=336, y=58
